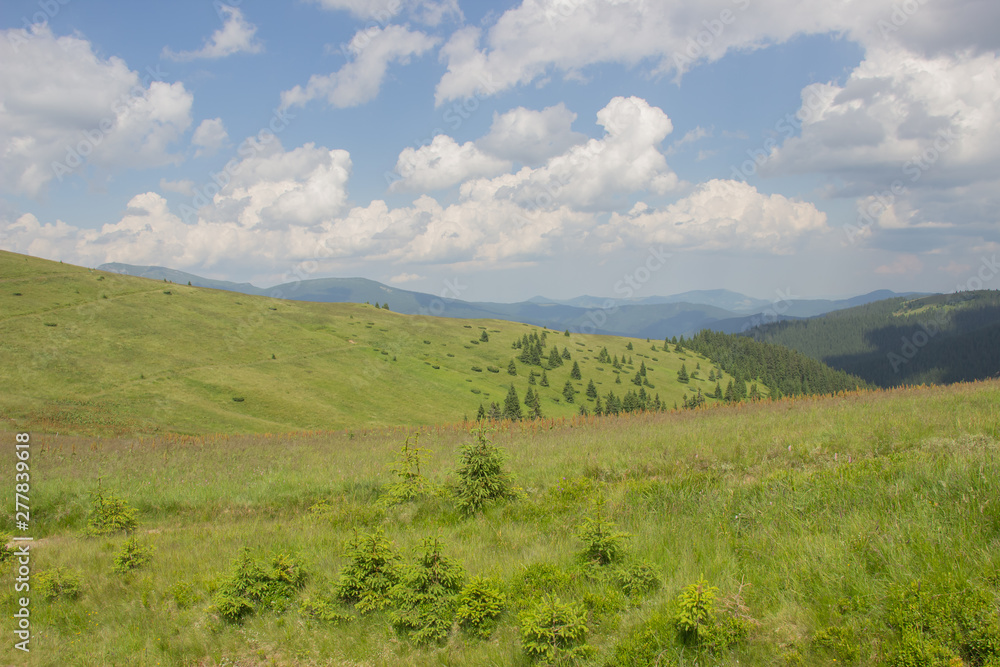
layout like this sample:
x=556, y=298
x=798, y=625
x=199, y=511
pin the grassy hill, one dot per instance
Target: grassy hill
x=857, y=530
x=940, y=338
x=91, y=351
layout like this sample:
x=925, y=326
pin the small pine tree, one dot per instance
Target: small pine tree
x=682, y=374
x=554, y=359
x=512, y=405
x=718, y=391
x=481, y=477
x=536, y=407
x=575, y=373
x=629, y=346
x=385, y=306
x=618, y=378
x=591, y=390
x=484, y=337
x=711, y=375
x=642, y=369
x=376, y=305
x=566, y=333
x=566, y=355
x=637, y=380
x=529, y=397
x=494, y=413
x=730, y=395
x=531, y=377
x=481, y=415
x=568, y=391
x=545, y=380
x=511, y=367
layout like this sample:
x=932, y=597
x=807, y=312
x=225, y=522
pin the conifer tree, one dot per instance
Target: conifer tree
x=511, y=368
x=629, y=359
x=618, y=378
x=529, y=398
x=531, y=377
x=575, y=373
x=385, y=306
x=642, y=369
x=545, y=379
x=566, y=355
x=494, y=412
x=637, y=380
x=554, y=359
x=729, y=395
x=566, y=333
x=711, y=375
x=591, y=390
x=481, y=415
x=718, y=390
x=376, y=305
x=536, y=407
x=598, y=410
x=629, y=346
x=682, y=374
x=754, y=393
x=484, y=337
x=568, y=391
x=512, y=405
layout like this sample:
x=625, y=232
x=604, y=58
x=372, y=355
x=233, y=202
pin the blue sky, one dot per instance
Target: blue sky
x=772, y=147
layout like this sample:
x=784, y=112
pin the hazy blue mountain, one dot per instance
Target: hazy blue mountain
x=654, y=317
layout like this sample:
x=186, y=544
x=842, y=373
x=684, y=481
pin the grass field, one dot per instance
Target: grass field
x=823, y=523
x=90, y=352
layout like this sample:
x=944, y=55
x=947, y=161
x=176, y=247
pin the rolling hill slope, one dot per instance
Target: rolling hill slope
x=939, y=338
x=92, y=351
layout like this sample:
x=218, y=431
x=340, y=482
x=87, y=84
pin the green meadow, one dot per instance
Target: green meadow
x=221, y=479
x=93, y=352
x=859, y=530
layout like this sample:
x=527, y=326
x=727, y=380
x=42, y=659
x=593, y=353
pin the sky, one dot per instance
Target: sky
x=498, y=151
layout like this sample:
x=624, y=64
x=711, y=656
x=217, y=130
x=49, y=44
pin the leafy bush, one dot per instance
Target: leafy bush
x=602, y=543
x=6, y=551
x=411, y=484
x=323, y=609
x=637, y=579
x=646, y=644
x=479, y=605
x=59, y=583
x=837, y=641
x=553, y=632
x=252, y=585
x=481, y=477
x=536, y=579
x=132, y=556
x=110, y=514
x=183, y=594
x=936, y=622
x=426, y=595
x=372, y=571
x=701, y=625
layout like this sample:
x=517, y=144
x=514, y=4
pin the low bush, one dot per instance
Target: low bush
x=132, y=556
x=370, y=574
x=555, y=632
x=253, y=585
x=110, y=514
x=59, y=583
x=480, y=604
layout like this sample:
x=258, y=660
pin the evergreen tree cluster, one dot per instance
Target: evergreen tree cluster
x=940, y=338
x=785, y=371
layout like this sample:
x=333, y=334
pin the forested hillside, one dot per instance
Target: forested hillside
x=940, y=338
x=787, y=372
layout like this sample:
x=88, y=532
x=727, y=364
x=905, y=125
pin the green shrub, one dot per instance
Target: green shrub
x=535, y=580
x=426, y=594
x=704, y=627
x=6, y=551
x=110, y=514
x=953, y=619
x=637, y=579
x=59, y=583
x=184, y=595
x=252, y=585
x=479, y=606
x=554, y=632
x=695, y=614
x=323, y=609
x=837, y=641
x=411, y=484
x=372, y=571
x=602, y=543
x=481, y=477
x=646, y=644
x=132, y=556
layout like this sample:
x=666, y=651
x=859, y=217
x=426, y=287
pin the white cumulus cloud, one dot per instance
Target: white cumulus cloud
x=443, y=163
x=531, y=137
x=236, y=35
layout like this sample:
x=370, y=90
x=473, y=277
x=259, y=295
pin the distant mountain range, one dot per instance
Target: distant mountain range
x=654, y=317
